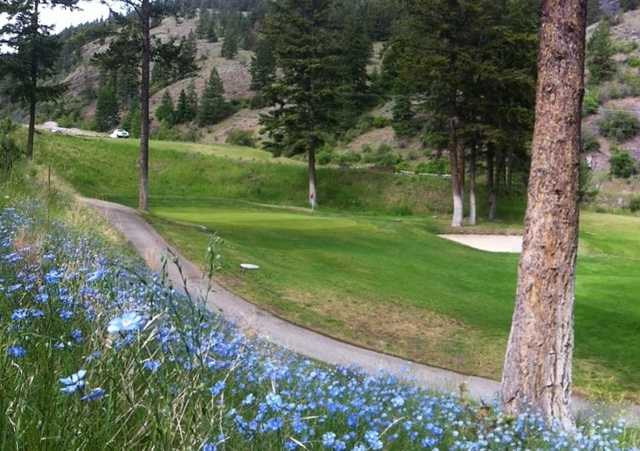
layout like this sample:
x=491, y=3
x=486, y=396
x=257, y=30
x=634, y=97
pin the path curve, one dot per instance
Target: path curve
x=152, y=247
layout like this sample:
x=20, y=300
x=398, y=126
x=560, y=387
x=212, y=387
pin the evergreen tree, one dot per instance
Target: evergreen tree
x=166, y=111
x=29, y=55
x=229, y=45
x=307, y=49
x=204, y=21
x=183, y=109
x=213, y=106
x=600, y=54
x=192, y=102
x=107, y=109
x=131, y=122
x=404, y=117
x=263, y=66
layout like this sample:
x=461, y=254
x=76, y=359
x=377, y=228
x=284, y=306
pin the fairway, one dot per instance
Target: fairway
x=360, y=271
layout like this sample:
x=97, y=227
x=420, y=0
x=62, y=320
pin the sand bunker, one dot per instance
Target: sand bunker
x=489, y=243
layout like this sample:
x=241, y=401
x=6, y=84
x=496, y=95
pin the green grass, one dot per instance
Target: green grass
x=359, y=271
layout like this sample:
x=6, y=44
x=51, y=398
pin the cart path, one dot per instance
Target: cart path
x=152, y=247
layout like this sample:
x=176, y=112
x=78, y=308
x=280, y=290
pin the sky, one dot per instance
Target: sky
x=62, y=18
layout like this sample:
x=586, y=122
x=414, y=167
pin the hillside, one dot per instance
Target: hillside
x=234, y=73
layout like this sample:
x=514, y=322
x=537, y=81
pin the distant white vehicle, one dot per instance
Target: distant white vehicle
x=57, y=130
x=119, y=133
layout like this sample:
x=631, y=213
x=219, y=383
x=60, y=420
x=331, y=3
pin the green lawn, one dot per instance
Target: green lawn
x=360, y=271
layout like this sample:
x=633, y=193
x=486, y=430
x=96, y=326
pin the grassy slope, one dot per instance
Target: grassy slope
x=383, y=281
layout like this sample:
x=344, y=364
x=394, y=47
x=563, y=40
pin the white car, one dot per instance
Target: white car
x=119, y=133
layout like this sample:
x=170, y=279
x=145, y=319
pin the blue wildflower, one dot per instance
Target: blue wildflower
x=328, y=439
x=128, y=322
x=76, y=335
x=209, y=447
x=373, y=439
x=52, y=277
x=217, y=388
x=151, y=365
x=73, y=383
x=94, y=395
x=16, y=352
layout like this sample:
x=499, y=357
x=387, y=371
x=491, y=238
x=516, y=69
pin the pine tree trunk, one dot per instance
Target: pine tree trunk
x=457, y=179
x=143, y=190
x=32, y=127
x=473, y=214
x=537, y=371
x=500, y=172
x=33, y=97
x=313, y=198
x=491, y=187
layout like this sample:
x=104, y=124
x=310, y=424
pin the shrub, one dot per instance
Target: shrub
x=239, y=137
x=619, y=125
x=622, y=164
x=383, y=157
x=634, y=204
x=348, y=158
x=590, y=142
x=634, y=62
x=380, y=122
x=591, y=103
x=436, y=166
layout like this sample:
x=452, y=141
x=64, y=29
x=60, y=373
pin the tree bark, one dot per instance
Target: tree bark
x=32, y=127
x=491, y=187
x=33, y=98
x=457, y=175
x=537, y=371
x=313, y=198
x=500, y=172
x=473, y=214
x=143, y=163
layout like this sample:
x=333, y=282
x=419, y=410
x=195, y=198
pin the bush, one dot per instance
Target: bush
x=590, y=142
x=348, y=158
x=591, y=103
x=436, y=166
x=634, y=62
x=239, y=137
x=403, y=166
x=619, y=125
x=380, y=122
x=622, y=164
x=382, y=157
x=634, y=204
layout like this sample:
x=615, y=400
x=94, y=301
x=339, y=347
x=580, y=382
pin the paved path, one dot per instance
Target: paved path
x=152, y=247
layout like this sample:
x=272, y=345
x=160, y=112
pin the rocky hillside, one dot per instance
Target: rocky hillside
x=234, y=73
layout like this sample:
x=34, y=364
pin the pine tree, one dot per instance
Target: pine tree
x=537, y=372
x=131, y=122
x=107, y=109
x=32, y=55
x=600, y=54
x=166, y=112
x=192, y=102
x=404, y=117
x=204, y=21
x=213, y=106
x=229, y=45
x=183, y=112
x=263, y=66
x=307, y=49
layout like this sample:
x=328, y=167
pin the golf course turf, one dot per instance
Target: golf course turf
x=368, y=267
